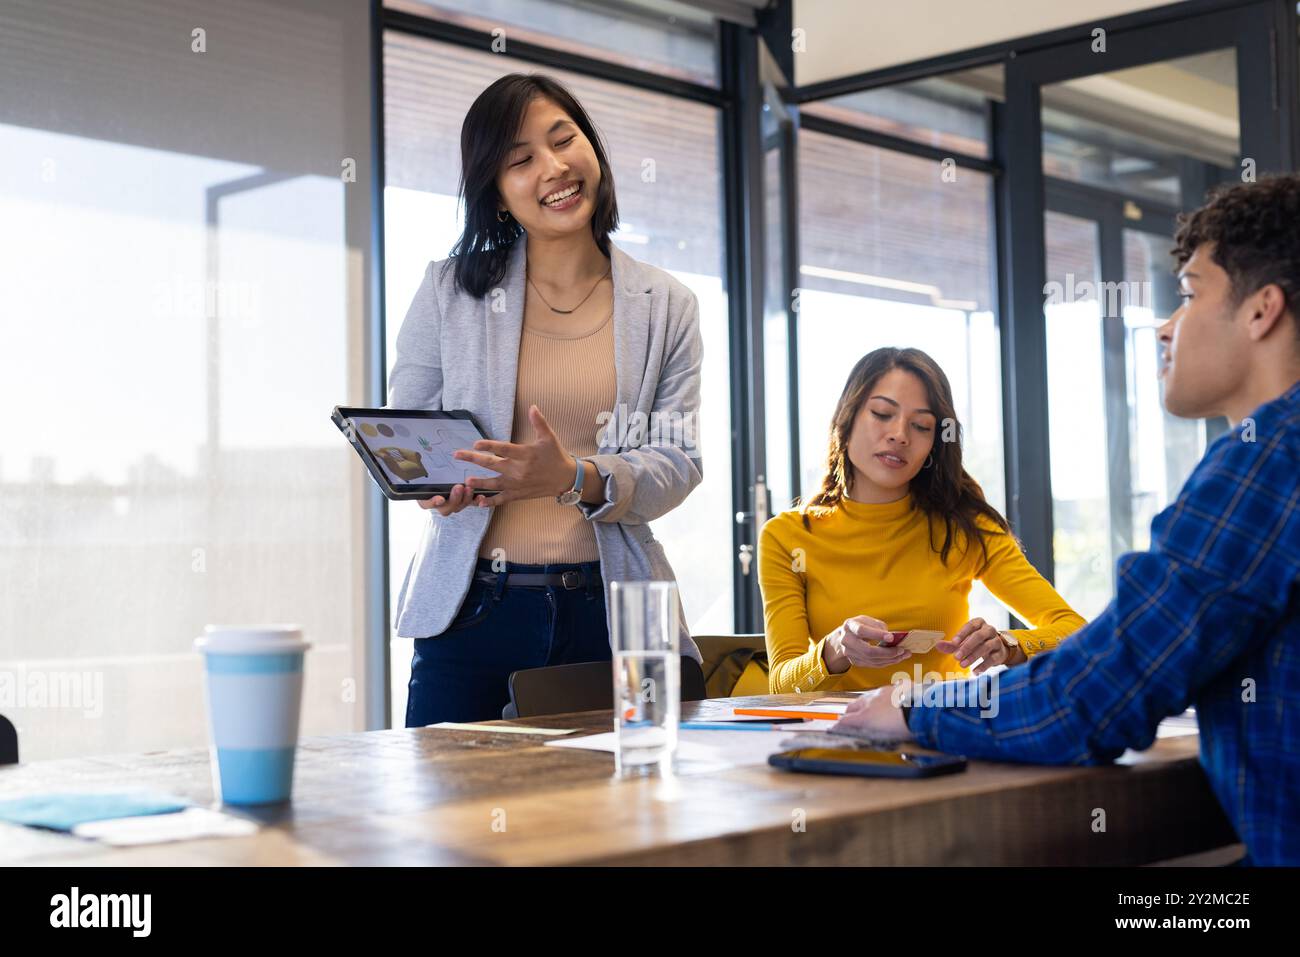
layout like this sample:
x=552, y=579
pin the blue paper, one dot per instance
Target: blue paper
x=63, y=812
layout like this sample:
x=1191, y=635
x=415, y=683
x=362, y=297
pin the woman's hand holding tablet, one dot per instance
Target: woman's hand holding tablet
x=459, y=497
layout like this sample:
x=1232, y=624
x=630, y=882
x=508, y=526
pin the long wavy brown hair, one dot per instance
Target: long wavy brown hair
x=944, y=490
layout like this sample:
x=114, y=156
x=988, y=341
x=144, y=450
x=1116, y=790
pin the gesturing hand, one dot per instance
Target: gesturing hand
x=538, y=469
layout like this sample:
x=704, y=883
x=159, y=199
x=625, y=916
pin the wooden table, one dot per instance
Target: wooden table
x=433, y=796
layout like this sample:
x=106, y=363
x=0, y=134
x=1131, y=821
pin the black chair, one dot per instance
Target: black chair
x=8, y=741
x=583, y=687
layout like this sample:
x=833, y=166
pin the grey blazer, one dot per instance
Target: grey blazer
x=458, y=352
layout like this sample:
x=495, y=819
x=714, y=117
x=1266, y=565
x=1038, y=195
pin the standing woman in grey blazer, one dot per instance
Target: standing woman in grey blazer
x=583, y=366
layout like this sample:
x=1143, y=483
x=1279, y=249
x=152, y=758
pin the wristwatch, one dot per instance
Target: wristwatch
x=1009, y=640
x=574, y=495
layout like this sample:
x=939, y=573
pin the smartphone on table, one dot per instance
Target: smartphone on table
x=868, y=764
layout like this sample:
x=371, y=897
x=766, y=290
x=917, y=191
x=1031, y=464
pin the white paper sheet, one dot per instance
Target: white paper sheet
x=1178, y=725
x=503, y=728
x=702, y=750
x=187, y=825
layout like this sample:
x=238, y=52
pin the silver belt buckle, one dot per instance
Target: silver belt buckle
x=571, y=580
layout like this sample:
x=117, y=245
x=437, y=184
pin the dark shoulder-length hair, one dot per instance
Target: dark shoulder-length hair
x=945, y=491
x=491, y=125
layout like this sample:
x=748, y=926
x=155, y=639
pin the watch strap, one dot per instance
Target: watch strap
x=574, y=495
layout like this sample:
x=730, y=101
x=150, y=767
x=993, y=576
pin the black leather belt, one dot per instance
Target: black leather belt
x=569, y=580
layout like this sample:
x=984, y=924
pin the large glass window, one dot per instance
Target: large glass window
x=669, y=37
x=1164, y=448
x=1076, y=405
x=948, y=112
x=1136, y=131
x=896, y=253
x=180, y=313
x=671, y=218
x=776, y=341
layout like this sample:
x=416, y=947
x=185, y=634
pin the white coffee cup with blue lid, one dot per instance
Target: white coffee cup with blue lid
x=253, y=685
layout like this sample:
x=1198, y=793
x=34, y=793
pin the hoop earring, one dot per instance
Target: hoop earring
x=503, y=215
x=929, y=461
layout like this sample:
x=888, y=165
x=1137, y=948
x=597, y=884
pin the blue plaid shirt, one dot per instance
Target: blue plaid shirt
x=1210, y=617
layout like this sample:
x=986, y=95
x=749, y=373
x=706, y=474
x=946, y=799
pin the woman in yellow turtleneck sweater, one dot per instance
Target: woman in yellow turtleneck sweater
x=892, y=542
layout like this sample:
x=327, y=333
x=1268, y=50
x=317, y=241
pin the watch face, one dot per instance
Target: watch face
x=569, y=498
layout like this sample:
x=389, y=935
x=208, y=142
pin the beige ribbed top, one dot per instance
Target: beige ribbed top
x=571, y=379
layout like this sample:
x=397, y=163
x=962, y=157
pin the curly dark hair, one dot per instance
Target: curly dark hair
x=1255, y=229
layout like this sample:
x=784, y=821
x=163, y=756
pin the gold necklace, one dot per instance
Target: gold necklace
x=565, y=312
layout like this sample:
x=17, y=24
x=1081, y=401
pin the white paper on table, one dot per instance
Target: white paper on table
x=1178, y=725
x=830, y=710
x=503, y=728
x=706, y=750
x=187, y=825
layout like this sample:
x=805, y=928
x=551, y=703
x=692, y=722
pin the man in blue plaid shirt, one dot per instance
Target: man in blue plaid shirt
x=1210, y=616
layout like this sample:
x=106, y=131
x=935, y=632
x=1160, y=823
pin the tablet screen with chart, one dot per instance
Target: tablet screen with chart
x=416, y=451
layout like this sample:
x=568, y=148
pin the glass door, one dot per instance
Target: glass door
x=1122, y=152
x=766, y=466
x=1118, y=457
x=1123, y=131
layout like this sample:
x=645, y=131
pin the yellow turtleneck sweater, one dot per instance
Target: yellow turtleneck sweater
x=877, y=560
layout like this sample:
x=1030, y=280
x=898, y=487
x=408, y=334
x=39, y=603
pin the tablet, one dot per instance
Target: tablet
x=408, y=451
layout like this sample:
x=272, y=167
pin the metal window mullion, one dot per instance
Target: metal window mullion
x=1023, y=267
x=742, y=211
x=1110, y=236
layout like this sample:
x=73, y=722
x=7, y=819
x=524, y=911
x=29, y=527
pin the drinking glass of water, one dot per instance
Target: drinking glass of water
x=647, y=675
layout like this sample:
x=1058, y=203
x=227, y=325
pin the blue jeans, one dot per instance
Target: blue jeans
x=463, y=673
